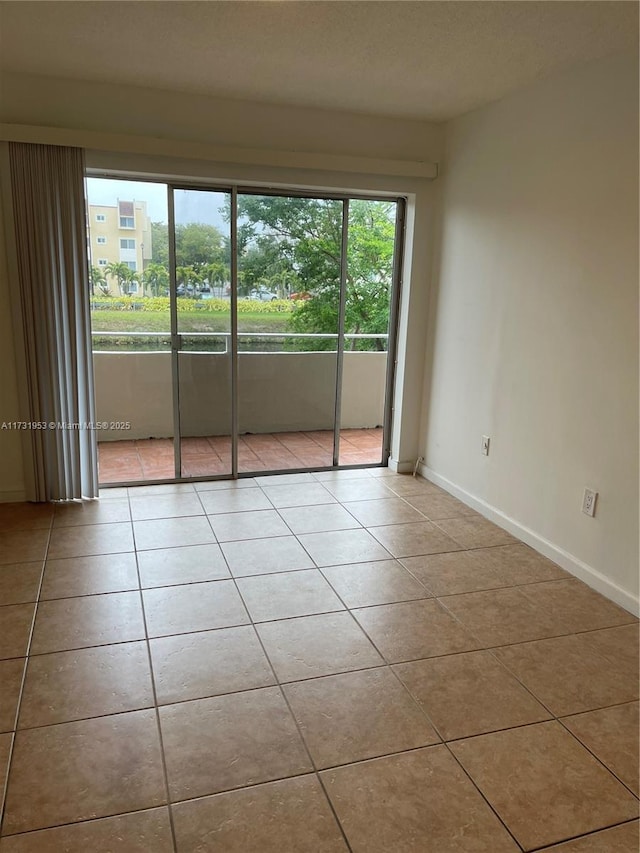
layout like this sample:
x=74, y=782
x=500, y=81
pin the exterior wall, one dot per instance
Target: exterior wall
x=109, y=230
x=278, y=392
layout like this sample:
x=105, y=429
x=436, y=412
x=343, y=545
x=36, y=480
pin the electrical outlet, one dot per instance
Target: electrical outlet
x=485, y=445
x=589, y=502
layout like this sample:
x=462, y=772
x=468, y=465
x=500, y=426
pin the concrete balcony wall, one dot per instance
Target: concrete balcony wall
x=278, y=392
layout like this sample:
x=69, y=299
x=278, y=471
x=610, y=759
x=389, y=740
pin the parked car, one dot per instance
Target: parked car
x=262, y=294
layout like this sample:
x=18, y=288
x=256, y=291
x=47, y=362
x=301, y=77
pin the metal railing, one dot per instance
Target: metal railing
x=226, y=337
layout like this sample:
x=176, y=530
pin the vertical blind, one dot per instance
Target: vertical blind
x=47, y=187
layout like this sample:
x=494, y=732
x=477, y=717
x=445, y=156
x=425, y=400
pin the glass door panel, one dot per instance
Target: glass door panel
x=203, y=325
x=368, y=308
x=289, y=261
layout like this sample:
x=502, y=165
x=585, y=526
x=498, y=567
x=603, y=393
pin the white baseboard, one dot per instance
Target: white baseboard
x=400, y=467
x=592, y=577
x=13, y=497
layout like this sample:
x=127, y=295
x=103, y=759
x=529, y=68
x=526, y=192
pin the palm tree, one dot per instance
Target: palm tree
x=155, y=276
x=97, y=279
x=121, y=272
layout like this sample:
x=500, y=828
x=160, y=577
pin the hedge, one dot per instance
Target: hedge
x=208, y=306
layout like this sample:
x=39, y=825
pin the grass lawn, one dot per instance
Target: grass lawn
x=188, y=321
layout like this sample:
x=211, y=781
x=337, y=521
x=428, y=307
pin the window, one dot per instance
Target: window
x=100, y=217
x=132, y=265
x=101, y=241
x=126, y=244
x=102, y=262
x=132, y=286
x=127, y=222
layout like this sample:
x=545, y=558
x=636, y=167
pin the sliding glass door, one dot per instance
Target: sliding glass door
x=240, y=331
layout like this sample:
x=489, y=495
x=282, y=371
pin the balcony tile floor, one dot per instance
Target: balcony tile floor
x=153, y=459
x=347, y=660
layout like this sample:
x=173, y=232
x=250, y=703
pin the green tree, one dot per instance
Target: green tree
x=98, y=281
x=121, y=273
x=156, y=278
x=198, y=244
x=297, y=242
x=160, y=244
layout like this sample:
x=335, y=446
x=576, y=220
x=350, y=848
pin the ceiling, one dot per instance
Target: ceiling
x=420, y=60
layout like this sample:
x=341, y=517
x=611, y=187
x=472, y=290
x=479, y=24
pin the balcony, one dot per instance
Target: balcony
x=286, y=405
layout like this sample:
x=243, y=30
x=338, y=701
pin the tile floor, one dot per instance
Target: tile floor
x=153, y=458
x=329, y=662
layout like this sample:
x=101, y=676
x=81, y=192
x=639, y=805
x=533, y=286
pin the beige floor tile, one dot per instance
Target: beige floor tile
x=15, y=627
x=173, y=505
x=475, y=532
x=298, y=494
x=343, y=546
x=252, y=736
x=470, y=694
x=543, y=784
x=5, y=753
x=386, y=511
x=284, y=479
x=225, y=485
x=483, y=568
x=612, y=735
x=501, y=616
x=160, y=489
x=405, y=484
x=234, y=500
x=281, y=596
x=87, y=769
x=414, y=629
x=365, y=489
x=89, y=539
x=264, y=556
x=89, y=575
x=19, y=582
x=575, y=607
x=437, y=506
x=25, y=516
x=236, y=526
x=417, y=802
x=23, y=546
x=77, y=513
x=194, y=607
x=96, y=620
x=407, y=540
x=11, y=672
x=286, y=817
x=618, y=839
x=357, y=715
x=190, y=564
x=318, y=519
x=140, y=832
x=366, y=584
x=194, y=666
x=317, y=645
x=581, y=672
x=172, y=533
x=92, y=682
x=106, y=493
x=346, y=474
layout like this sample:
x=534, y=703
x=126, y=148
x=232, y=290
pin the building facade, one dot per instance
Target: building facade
x=120, y=233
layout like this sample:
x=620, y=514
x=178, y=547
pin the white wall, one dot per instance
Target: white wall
x=278, y=392
x=534, y=321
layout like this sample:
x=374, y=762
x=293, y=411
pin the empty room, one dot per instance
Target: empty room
x=319, y=409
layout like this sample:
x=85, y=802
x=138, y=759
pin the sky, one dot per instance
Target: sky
x=191, y=205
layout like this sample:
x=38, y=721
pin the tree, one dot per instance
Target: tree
x=156, y=277
x=121, y=273
x=160, y=244
x=299, y=241
x=98, y=281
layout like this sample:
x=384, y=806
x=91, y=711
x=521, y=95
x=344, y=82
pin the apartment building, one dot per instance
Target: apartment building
x=120, y=233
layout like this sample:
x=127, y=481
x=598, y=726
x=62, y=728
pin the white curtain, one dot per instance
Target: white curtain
x=47, y=188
